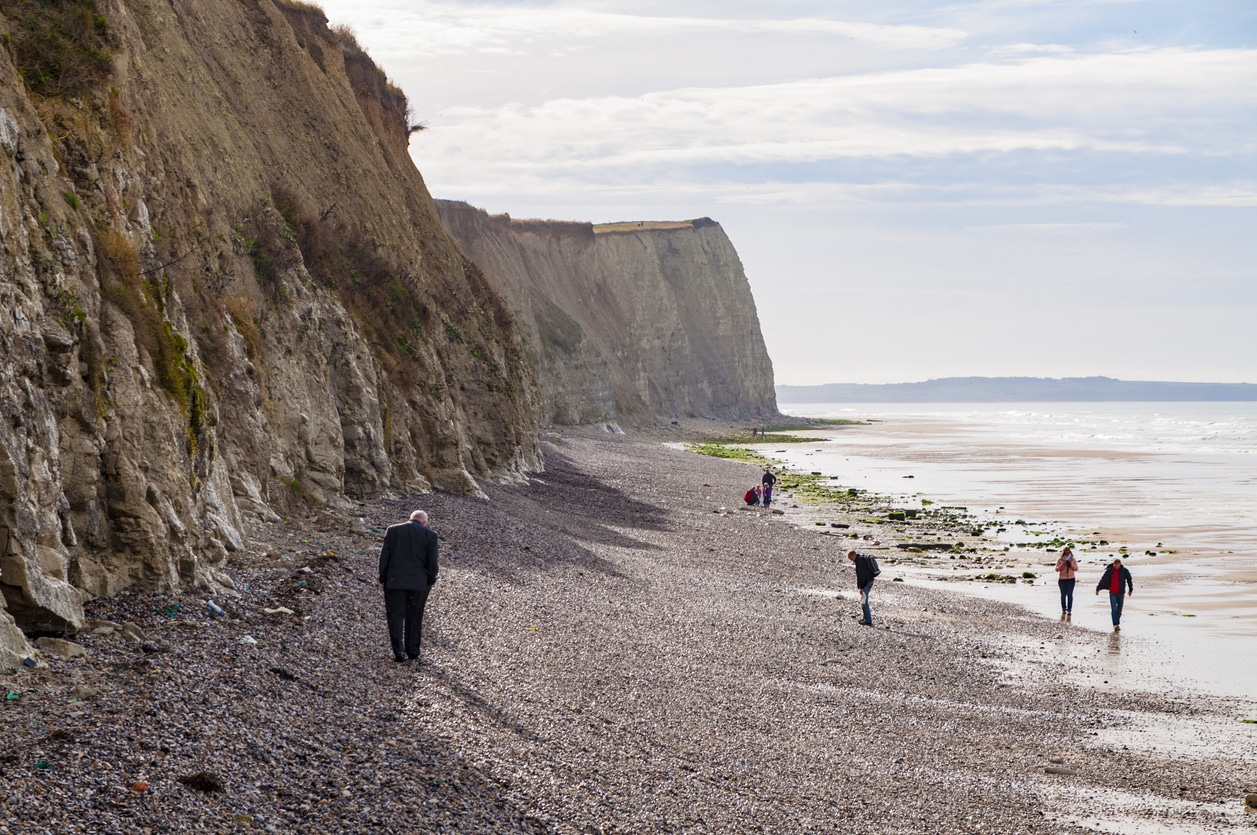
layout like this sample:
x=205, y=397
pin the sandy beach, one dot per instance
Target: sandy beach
x=616, y=647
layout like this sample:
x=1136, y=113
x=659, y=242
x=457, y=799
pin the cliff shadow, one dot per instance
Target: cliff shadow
x=545, y=525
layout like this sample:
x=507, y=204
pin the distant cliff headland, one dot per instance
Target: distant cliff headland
x=1017, y=390
x=628, y=322
x=227, y=296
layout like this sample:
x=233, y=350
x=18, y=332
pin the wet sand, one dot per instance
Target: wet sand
x=1195, y=604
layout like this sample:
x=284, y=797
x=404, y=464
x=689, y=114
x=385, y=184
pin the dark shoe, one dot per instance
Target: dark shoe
x=866, y=623
x=399, y=658
x=414, y=657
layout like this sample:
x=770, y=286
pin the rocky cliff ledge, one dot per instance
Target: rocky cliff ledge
x=631, y=322
x=224, y=293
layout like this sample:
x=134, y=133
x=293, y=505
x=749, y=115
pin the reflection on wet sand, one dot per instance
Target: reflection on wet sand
x=1115, y=643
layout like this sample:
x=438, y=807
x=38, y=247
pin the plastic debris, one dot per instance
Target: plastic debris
x=215, y=610
x=11, y=696
x=28, y=662
x=279, y=610
x=248, y=640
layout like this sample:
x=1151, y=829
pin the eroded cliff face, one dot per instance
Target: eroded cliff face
x=224, y=293
x=627, y=322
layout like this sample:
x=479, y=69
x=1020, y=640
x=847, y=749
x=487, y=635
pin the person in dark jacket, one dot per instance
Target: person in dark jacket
x=408, y=568
x=864, y=573
x=1119, y=583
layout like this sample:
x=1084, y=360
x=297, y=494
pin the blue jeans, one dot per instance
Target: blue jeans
x=1067, y=594
x=1115, y=606
x=864, y=602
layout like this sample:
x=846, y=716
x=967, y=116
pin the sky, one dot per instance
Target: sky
x=1049, y=188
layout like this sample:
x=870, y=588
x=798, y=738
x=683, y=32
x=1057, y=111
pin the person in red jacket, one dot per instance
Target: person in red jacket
x=1119, y=583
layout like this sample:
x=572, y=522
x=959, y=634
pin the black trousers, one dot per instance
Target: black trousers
x=404, y=610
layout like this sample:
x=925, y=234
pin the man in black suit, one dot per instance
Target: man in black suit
x=408, y=566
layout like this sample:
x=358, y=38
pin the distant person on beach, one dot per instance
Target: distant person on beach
x=1067, y=568
x=1119, y=583
x=865, y=571
x=769, y=481
x=752, y=496
x=408, y=568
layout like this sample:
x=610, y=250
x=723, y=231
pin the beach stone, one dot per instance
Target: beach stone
x=133, y=633
x=202, y=781
x=778, y=512
x=1250, y=800
x=60, y=648
x=84, y=693
x=103, y=631
x=1058, y=769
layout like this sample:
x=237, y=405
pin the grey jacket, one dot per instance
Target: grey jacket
x=408, y=559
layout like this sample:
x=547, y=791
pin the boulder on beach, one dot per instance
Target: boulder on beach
x=59, y=647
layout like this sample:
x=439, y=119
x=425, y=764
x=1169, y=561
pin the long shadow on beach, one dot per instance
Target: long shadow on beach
x=524, y=530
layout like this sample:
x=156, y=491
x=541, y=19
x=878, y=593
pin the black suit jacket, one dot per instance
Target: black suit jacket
x=408, y=559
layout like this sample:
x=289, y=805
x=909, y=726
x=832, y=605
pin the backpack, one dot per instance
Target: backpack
x=873, y=563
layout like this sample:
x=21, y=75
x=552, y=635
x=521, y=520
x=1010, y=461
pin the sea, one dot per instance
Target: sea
x=1174, y=485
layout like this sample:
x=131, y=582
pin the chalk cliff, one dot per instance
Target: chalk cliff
x=629, y=322
x=224, y=293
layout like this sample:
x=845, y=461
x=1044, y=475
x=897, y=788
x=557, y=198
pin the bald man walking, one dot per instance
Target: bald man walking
x=408, y=567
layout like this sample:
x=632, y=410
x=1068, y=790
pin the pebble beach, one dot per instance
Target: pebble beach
x=615, y=647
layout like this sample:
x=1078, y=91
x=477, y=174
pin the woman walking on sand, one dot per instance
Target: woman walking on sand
x=1119, y=583
x=1067, y=568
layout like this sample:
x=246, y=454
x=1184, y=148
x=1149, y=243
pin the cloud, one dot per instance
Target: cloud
x=445, y=28
x=1152, y=103
x=491, y=187
x=1018, y=49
